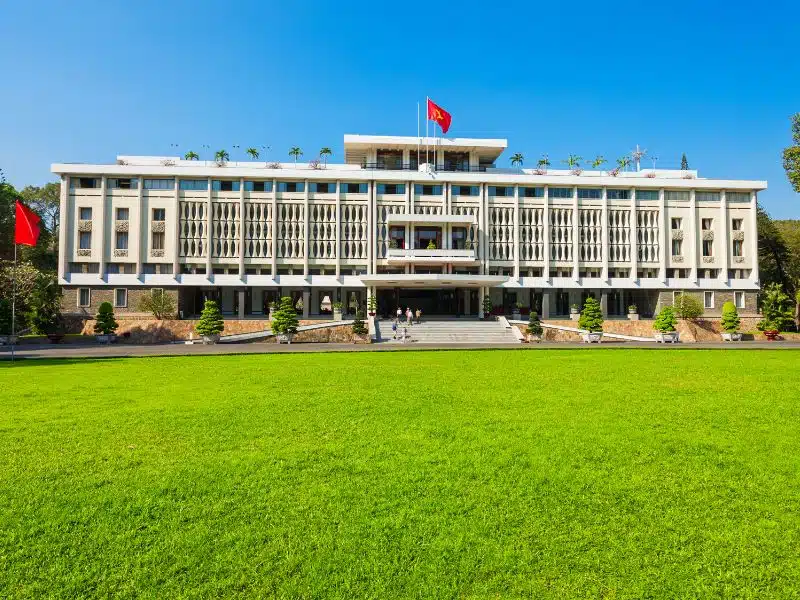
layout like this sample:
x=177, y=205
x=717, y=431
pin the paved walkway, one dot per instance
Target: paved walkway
x=130, y=350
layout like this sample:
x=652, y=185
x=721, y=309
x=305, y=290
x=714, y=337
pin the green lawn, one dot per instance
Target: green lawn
x=485, y=474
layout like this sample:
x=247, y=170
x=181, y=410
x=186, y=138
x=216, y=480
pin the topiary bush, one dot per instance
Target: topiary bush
x=592, y=316
x=730, y=318
x=211, y=322
x=285, y=320
x=487, y=306
x=665, y=320
x=105, y=323
x=534, y=325
x=688, y=307
x=159, y=303
x=359, y=327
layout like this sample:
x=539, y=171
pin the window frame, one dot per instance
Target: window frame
x=736, y=296
x=706, y=295
x=121, y=235
x=88, y=235
x=116, y=304
x=81, y=216
x=88, y=295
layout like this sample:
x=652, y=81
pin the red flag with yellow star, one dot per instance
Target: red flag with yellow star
x=438, y=114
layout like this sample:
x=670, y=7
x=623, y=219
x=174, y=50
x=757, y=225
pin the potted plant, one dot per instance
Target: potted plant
x=431, y=245
x=211, y=324
x=776, y=308
x=516, y=312
x=273, y=309
x=487, y=307
x=730, y=323
x=372, y=305
x=393, y=244
x=633, y=312
x=337, y=311
x=5, y=324
x=105, y=324
x=360, y=331
x=534, y=329
x=592, y=321
x=574, y=312
x=665, y=324
x=284, y=323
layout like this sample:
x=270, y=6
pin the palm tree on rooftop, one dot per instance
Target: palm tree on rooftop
x=253, y=153
x=573, y=162
x=296, y=152
x=221, y=156
x=517, y=160
x=190, y=155
x=599, y=161
x=543, y=163
x=324, y=153
x=623, y=163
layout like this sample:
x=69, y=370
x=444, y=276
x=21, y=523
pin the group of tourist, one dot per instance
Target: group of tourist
x=409, y=316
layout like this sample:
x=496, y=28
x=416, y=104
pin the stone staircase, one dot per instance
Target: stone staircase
x=455, y=331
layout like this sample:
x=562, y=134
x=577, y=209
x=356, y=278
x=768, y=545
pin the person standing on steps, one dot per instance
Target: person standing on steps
x=418, y=315
x=399, y=314
x=409, y=316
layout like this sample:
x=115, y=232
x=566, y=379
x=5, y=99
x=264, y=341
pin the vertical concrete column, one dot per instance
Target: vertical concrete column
x=724, y=245
x=338, y=228
x=370, y=230
x=634, y=240
x=576, y=238
x=603, y=302
x=257, y=301
x=604, y=232
x=176, y=230
x=64, y=220
x=546, y=304
x=139, y=233
x=692, y=253
x=516, y=233
x=546, y=234
x=481, y=295
x=665, y=235
x=752, y=234
x=306, y=229
x=209, y=237
x=102, y=245
x=467, y=307
x=484, y=230
x=306, y=302
x=274, y=228
x=242, y=229
x=242, y=297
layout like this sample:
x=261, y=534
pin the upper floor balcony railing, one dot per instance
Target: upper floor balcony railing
x=446, y=167
x=439, y=255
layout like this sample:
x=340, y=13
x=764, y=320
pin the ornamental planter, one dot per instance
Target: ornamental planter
x=667, y=337
x=105, y=338
x=633, y=316
x=210, y=339
x=731, y=337
x=337, y=314
x=285, y=338
x=361, y=339
x=534, y=338
x=771, y=334
x=516, y=315
x=8, y=340
x=574, y=314
x=593, y=337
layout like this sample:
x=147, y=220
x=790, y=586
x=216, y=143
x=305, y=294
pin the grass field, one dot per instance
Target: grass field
x=483, y=474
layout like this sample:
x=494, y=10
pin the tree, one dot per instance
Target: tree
x=5, y=317
x=210, y=322
x=296, y=152
x=688, y=307
x=487, y=305
x=623, y=163
x=105, y=323
x=324, y=153
x=773, y=253
x=285, y=320
x=665, y=320
x=776, y=308
x=253, y=153
x=684, y=163
x=517, y=160
x=534, y=325
x=543, y=163
x=573, y=162
x=730, y=318
x=44, y=312
x=221, y=156
x=598, y=161
x=160, y=304
x=190, y=155
x=359, y=327
x=8, y=196
x=591, y=316
x=791, y=155
x=27, y=279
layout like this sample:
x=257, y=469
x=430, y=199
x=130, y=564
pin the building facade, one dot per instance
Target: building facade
x=436, y=227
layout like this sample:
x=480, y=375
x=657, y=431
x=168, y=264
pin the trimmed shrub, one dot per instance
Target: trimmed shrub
x=592, y=316
x=665, y=321
x=105, y=323
x=359, y=327
x=534, y=325
x=688, y=307
x=730, y=318
x=285, y=320
x=211, y=322
x=159, y=303
x=487, y=305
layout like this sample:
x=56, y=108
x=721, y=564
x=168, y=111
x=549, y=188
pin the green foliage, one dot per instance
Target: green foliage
x=688, y=307
x=730, y=318
x=776, y=306
x=159, y=303
x=359, y=327
x=665, y=320
x=372, y=304
x=221, y=156
x=104, y=319
x=431, y=245
x=487, y=305
x=592, y=316
x=773, y=252
x=684, y=163
x=791, y=155
x=517, y=160
x=633, y=309
x=5, y=317
x=285, y=320
x=44, y=314
x=210, y=322
x=534, y=325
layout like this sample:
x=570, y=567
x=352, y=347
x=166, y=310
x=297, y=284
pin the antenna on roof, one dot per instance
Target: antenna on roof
x=637, y=156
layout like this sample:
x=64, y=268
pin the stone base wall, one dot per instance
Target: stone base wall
x=98, y=295
x=665, y=298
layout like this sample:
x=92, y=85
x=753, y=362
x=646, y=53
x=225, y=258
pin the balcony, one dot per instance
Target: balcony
x=428, y=218
x=445, y=168
x=438, y=256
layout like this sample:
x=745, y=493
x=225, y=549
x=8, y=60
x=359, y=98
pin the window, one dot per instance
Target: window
x=427, y=190
x=677, y=195
x=738, y=248
x=397, y=237
x=322, y=188
x=706, y=196
x=708, y=299
x=257, y=186
x=83, y=267
x=738, y=299
x=159, y=184
x=618, y=194
x=737, y=196
x=84, y=182
x=121, y=240
x=708, y=248
x=84, y=297
x=531, y=192
x=194, y=185
x=458, y=238
x=706, y=224
x=736, y=224
x=676, y=222
x=85, y=240
x=120, y=269
x=677, y=247
x=85, y=213
x=120, y=298
x=225, y=185
x=159, y=214
x=158, y=240
x=359, y=188
x=590, y=193
x=560, y=192
x=291, y=186
x=465, y=190
x=123, y=184
x=392, y=188
x=501, y=192
x=647, y=194
x=122, y=214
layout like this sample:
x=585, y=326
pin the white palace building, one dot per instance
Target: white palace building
x=438, y=236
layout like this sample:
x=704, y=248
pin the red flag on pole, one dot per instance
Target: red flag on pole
x=26, y=231
x=440, y=115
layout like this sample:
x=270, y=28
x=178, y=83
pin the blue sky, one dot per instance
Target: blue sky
x=85, y=81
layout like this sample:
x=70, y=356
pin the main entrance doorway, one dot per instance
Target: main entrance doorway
x=431, y=301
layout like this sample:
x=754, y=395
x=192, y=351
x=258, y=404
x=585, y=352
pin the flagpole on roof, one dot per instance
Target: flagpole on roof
x=427, y=140
x=418, y=138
